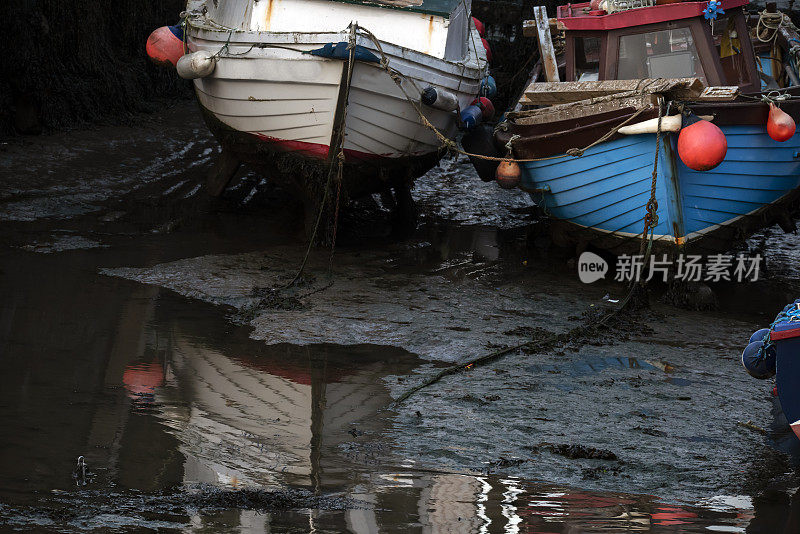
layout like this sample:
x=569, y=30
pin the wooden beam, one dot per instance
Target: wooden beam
x=546, y=48
x=576, y=110
x=548, y=93
x=529, y=28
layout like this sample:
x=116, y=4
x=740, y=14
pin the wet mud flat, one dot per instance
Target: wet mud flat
x=140, y=329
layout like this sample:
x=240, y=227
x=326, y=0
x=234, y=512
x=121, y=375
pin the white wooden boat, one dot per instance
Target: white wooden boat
x=274, y=105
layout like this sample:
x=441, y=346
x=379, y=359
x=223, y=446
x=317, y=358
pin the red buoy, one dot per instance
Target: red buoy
x=143, y=379
x=165, y=45
x=780, y=125
x=508, y=174
x=487, y=108
x=479, y=26
x=702, y=146
x=488, y=50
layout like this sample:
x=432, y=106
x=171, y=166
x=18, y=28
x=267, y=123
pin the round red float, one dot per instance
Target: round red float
x=165, y=45
x=143, y=379
x=780, y=125
x=702, y=146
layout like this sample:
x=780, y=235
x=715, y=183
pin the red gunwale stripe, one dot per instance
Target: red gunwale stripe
x=317, y=150
x=785, y=334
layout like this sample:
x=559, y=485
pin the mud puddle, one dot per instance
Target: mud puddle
x=185, y=422
x=138, y=330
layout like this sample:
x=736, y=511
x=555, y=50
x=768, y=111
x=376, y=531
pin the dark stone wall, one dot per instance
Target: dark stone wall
x=70, y=62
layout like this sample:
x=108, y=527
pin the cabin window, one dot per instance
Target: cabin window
x=659, y=54
x=587, y=59
x=729, y=48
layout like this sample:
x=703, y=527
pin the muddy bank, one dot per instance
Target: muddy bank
x=652, y=395
x=138, y=330
x=469, y=298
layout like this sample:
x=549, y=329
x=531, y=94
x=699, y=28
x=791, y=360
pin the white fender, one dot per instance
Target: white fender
x=441, y=99
x=196, y=65
x=668, y=124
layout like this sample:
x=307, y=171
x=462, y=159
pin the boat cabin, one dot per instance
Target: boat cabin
x=440, y=28
x=635, y=40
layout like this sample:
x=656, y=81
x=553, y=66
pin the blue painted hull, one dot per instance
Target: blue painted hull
x=602, y=195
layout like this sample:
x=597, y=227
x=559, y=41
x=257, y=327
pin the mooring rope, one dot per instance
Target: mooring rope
x=451, y=145
x=772, y=22
x=338, y=161
x=651, y=220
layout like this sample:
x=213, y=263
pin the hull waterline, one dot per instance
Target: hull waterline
x=601, y=197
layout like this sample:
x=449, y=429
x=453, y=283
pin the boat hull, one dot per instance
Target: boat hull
x=601, y=197
x=274, y=105
x=302, y=168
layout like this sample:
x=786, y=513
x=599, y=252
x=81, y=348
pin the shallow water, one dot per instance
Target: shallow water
x=131, y=335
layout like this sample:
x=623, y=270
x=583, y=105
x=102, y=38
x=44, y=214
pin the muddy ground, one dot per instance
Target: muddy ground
x=139, y=329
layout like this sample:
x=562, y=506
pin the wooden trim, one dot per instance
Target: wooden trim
x=562, y=92
x=748, y=51
x=546, y=48
x=707, y=52
x=570, y=53
x=569, y=71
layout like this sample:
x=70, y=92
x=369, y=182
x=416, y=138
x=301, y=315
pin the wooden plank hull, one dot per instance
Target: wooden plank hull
x=600, y=198
x=268, y=88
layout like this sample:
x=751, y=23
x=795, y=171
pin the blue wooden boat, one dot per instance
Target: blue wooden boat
x=599, y=198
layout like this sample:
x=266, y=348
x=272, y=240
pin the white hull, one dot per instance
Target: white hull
x=246, y=426
x=264, y=85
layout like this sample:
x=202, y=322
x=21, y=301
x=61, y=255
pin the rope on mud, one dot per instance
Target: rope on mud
x=580, y=333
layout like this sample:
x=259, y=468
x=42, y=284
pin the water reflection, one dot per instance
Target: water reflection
x=159, y=393
x=267, y=419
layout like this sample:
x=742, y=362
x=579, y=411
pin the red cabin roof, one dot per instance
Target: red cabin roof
x=578, y=16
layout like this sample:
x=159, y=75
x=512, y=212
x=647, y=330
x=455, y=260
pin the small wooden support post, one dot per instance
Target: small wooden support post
x=222, y=173
x=546, y=48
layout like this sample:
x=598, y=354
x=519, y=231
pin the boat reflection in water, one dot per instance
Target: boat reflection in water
x=310, y=417
x=256, y=420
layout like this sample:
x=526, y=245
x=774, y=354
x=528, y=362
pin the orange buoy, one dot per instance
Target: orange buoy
x=488, y=50
x=479, y=26
x=165, y=45
x=508, y=174
x=702, y=146
x=780, y=125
